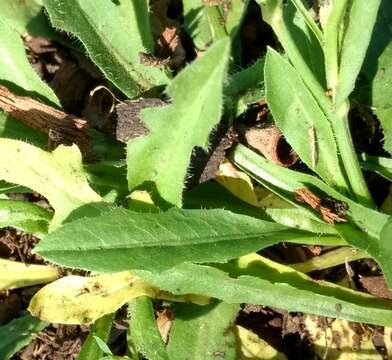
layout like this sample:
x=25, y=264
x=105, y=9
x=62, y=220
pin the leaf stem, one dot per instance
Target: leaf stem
x=309, y=20
x=330, y=259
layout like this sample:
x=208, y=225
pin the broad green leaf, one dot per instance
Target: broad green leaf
x=14, y=129
x=257, y=280
x=16, y=72
x=206, y=332
x=143, y=335
x=362, y=18
x=299, y=117
x=365, y=225
x=59, y=176
x=25, y=216
x=17, y=334
x=251, y=347
x=378, y=70
x=101, y=329
x=82, y=300
x=162, y=156
x=126, y=240
x=27, y=18
x=113, y=33
x=14, y=275
x=196, y=23
x=380, y=165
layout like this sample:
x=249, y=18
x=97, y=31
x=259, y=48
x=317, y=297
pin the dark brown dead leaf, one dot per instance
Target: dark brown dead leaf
x=268, y=140
x=376, y=286
x=46, y=119
x=323, y=207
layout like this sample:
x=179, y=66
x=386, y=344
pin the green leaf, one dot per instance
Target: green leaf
x=13, y=129
x=245, y=87
x=143, y=334
x=365, y=225
x=196, y=23
x=101, y=329
x=206, y=332
x=17, y=334
x=264, y=282
x=27, y=18
x=59, y=176
x=113, y=33
x=25, y=216
x=362, y=18
x=299, y=117
x=124, y=240
x=380, y=165
x=16, y=72
x=378, y=70
x=162, y=156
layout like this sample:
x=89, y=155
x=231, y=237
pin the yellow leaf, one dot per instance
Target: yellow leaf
x=340, y=342
x=15, y=274
x=82, y=300
x=251, y=347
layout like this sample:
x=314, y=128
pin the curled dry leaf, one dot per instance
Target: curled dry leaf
x=268, y=140
x=331, y=210
x=59, y=126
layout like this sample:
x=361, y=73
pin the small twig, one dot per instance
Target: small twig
x=46, y=119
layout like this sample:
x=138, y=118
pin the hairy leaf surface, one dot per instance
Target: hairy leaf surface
x=63, y=181
x=299, y=117
x=113, y=33
x=162, y=156
x=15, y=70
x=25, y=216
x=264, y=282
x=125, y=240
x=203, y=331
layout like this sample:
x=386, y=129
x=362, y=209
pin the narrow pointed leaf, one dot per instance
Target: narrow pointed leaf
x=299, y=117
x=362, y=18
x=113, y=33
x=162, y=156
x=125, y=240
x=264, y=282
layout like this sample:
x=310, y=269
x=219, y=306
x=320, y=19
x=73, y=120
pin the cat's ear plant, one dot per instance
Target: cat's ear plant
x=203, y=262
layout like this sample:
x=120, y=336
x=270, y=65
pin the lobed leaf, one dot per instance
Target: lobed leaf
x=162, y=156
x=63, y=182
x=18, y=333
x=113, y=33
x=125, y=240
x=264, y=282
x=206, y=332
